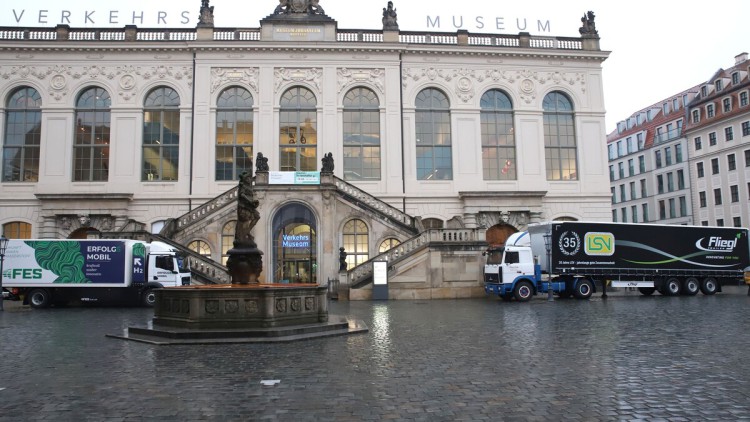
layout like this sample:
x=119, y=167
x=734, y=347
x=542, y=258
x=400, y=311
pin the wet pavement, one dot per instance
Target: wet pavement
x=625, y=358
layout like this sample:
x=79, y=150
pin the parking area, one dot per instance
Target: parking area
x=625, y=358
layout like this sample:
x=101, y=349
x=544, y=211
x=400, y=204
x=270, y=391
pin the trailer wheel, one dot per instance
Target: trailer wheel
x=672, y=287
x=40, y=298
x=691, y=286
x=646, y=291
x=148, y=298
x=523, y=291
x=709, y=286
x=584, y=289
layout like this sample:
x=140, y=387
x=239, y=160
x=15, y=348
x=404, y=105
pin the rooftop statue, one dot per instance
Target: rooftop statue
x=307, y=7
x=390, y=17
x=588, y=26
x=206, y=16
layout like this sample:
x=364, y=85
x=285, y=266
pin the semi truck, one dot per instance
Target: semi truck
x=569, y=258
x=47, y=272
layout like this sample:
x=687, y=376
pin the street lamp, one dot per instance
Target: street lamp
x=3, y=245
x=548, y=247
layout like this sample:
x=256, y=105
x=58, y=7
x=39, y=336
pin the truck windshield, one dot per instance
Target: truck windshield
x=494, y=256
x=182, y=264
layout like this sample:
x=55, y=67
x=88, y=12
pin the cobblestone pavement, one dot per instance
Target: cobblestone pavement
x=625, y=358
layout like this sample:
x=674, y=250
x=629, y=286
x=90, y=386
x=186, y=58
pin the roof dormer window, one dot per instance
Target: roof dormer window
x=736, y=78
x=719, y=85
x=665, y=108
x=704, y=90
x=726, y=105
x=696, y=116
x=710, y=111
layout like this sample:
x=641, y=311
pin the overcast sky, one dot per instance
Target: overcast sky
x=659, y=48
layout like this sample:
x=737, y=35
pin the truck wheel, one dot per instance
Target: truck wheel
x=148, y=298
x=646, y=291
x=672, y=287
x=584, y=289
x=39, y=298
x=709, y=286
x=691, y=286
x=523, y=291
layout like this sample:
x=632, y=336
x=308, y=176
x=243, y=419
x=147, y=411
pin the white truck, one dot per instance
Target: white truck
x=568, y=257
x=49, y=272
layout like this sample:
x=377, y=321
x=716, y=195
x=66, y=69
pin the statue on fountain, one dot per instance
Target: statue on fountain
x=245, y=261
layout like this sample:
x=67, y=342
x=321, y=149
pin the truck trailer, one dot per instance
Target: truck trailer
x=49, y=272
x=570, y=257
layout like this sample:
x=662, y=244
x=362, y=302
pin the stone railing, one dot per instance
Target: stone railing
x=364, y=199
x=133, y=33
x=361, y=275
x=204, y=211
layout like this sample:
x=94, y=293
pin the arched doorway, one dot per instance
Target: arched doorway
x=85, y=233
x=295, y=258
x=499, y=233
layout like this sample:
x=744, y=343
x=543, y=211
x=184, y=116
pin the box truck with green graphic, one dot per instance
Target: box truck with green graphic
x=570, y=257
x=55, y=272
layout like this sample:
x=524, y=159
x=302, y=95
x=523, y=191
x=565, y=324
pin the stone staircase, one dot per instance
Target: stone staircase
x=361, y=275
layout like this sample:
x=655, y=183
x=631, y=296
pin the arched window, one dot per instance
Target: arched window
x=23, y=129
x=498, y=136
x=201, y=247
x=227, y=240
x=361, y=135
x=387, y=244
x=91, y=148
x=356, y=243
x=161, y=135
x=234, y=133
x=17, y=230
x=298, y=130
x=559, y=137
x=433, y=122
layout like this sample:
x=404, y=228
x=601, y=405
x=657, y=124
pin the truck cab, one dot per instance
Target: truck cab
x=511, y=269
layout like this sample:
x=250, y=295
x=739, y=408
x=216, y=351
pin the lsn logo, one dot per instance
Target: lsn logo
x=600, y=244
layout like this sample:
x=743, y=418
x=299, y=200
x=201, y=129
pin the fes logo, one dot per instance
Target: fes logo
x=602, y=244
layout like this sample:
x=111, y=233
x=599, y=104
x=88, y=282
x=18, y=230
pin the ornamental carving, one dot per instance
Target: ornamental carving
x=517, y=219
x=284, y=76
x=462, y=80
x=309, y=303
x=126, y=77
x=224, y=76
x=349, y=77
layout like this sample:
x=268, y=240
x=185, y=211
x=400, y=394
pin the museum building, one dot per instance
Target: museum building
x=419, y=148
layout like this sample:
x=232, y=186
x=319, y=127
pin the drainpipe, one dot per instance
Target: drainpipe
x=192, y=140
x=401, y=108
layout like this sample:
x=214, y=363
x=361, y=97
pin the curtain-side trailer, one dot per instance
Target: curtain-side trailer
x=568, y=257
x=47, y=271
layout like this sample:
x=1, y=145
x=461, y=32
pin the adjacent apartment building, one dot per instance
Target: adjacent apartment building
x=685, y=159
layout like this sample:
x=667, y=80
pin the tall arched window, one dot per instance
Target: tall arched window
x=298, y=131
x=161, y=135
x=498, y=136
x=560, y=137
x=227, y=240
x=234, y=133
x=433, y=121
x=91, y=148
x=17, y=230
x=361, y=135
x=23, y=129
x=356, y=243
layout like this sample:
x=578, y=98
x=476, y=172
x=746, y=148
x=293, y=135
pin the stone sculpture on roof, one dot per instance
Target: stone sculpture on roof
x=588, y=26
x=206, y=16
x=390, y=17
x=308, y=7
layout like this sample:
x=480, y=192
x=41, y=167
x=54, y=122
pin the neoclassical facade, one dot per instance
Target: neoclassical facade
x=120, y=130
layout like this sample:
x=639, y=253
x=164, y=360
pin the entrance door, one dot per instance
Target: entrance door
x=295, y=245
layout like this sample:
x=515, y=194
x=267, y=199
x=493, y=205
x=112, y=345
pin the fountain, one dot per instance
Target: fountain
x=245, y=310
